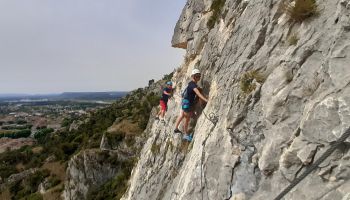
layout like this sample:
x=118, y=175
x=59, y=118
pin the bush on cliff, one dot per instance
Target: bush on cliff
x=216, y=7
x=299, y=10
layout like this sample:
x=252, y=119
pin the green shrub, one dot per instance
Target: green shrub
x=216, y=7
x=293, y=40
x=53, y=181
x=36, y=161
x=115, y=138
x=247, y=84
x=26, y=188
x=168, y=77
x=33, y=181
x=155, y=149
x=67, y=122
x=7, y=170
x=301, y=9
x=21, y=121
x=17, y=134
x=43, y=135
x=35, y=196
x=23, y=133
x=15, y=187
x=69, y=148
x=130, y=141
x=40, y=127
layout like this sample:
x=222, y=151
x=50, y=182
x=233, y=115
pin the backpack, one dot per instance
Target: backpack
x=184, y=94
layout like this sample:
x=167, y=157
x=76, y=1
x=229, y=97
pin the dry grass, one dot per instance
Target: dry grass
x=20, y=167
x=54, y=193
x=125, y=126
x=37, y=150
x=184, y=147
x=5, y=194
x=56, y=168
x=299, y=10
x=6, y=131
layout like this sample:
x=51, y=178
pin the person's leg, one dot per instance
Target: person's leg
x=162, y=114
x=179, y=119
x=187, y=116
x=163, y=111
x=158, y=114
x=187, y=136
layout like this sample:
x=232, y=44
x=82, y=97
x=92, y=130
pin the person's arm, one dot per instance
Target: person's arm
x=198, y=93
x=167, y=93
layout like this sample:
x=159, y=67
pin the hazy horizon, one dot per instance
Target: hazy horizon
x=54, y=93
x=86, y=45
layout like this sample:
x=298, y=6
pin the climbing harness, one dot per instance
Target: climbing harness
x=314, y=165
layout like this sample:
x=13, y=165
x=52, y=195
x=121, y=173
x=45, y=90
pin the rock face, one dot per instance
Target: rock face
x=88, y=170
x=250, y=143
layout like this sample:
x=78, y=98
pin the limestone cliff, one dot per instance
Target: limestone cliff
x=279, y=96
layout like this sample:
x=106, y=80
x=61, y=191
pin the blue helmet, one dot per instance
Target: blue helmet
x=169, y=83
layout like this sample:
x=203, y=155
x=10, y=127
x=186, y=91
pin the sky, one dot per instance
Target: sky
x=53, y=46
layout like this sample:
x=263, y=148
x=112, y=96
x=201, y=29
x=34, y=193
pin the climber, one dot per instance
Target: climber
x=166, y=94
x=188, y=100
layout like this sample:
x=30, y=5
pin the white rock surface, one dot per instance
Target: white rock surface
x=275, y=132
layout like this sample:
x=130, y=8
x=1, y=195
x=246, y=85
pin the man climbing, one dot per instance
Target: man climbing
x=166, y=94
x=188, y=101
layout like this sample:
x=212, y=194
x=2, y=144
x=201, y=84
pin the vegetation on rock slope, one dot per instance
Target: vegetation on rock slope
x=135, y=108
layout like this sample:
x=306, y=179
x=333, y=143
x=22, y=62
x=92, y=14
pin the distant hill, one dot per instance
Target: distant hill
x=91, y=95
x=12, y=95
x=65, y=96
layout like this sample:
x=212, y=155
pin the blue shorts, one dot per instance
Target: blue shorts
x=186, y=106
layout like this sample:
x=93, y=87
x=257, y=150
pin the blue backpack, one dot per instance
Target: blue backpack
x=185, y=103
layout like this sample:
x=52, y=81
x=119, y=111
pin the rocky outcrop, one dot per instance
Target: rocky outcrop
x=88, y=170
x=298, y=105
x=20, y=176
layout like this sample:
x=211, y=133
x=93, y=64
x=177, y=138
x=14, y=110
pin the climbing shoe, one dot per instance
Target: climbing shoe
x=187, y=137
x=157, y=118
x=177, y=131
x=163, y=121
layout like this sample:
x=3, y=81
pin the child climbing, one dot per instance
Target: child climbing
x=188, y=101
x=166, y=94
